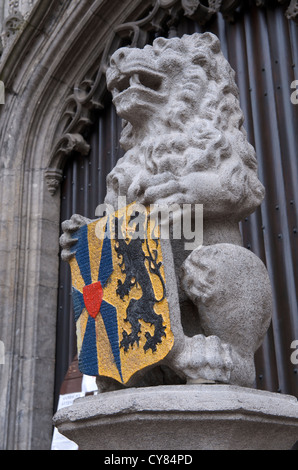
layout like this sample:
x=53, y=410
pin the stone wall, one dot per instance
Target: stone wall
x=39, y=70
x=13, y=14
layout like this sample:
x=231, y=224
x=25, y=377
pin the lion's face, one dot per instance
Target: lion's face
x=137, y=87
x=144, y=81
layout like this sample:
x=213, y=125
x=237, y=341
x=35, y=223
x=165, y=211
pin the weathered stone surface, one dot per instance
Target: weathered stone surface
x=193, y=417
x=231, y=288
x=38, y=75
x=183, y=129
x=185, y=144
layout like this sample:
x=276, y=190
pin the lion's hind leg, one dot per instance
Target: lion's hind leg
x=129, y=339
x=149, y=316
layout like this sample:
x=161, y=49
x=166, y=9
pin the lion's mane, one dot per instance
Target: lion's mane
x=194, y=148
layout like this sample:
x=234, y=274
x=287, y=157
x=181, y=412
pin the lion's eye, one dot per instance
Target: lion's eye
x=150, y=81
x=199, y=60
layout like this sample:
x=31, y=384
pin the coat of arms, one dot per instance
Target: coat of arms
x=120, y=296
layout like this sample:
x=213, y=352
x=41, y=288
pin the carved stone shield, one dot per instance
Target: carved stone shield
x=120, y=295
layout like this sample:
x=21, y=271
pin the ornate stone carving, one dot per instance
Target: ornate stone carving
x=88, y=94
x=292, y=11
x=183, y=93
x=13, y=23
x=185, y=144
x=69, y=143
x=230, y=287
x=53, y=179
x=18, y=12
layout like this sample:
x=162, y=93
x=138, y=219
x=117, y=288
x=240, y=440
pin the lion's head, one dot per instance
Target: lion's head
x=182, y=128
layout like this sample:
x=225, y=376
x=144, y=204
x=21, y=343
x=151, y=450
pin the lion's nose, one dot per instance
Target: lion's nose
x=118, y=57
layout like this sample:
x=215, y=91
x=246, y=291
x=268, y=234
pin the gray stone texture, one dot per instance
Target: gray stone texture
x=231, y=289
x=51, y=53
x=39, y=75
x=182, y=417
x=183, y=129
x=185, y=143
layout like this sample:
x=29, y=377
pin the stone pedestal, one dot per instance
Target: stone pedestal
x=182, y=417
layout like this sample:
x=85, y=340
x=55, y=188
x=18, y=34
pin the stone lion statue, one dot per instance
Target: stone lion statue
x=185, y=143
x=183, y=129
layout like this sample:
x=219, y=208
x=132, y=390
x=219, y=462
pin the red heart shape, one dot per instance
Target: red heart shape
x=93, y=295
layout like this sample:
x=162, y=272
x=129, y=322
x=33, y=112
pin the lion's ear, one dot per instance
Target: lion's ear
x=160, y=43
x=212, y=41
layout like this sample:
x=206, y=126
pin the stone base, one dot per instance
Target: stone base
x=182, y=417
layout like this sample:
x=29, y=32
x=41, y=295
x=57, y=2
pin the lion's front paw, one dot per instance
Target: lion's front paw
x=205, y=358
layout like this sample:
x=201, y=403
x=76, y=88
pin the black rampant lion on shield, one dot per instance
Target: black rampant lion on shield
x=133, y=265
